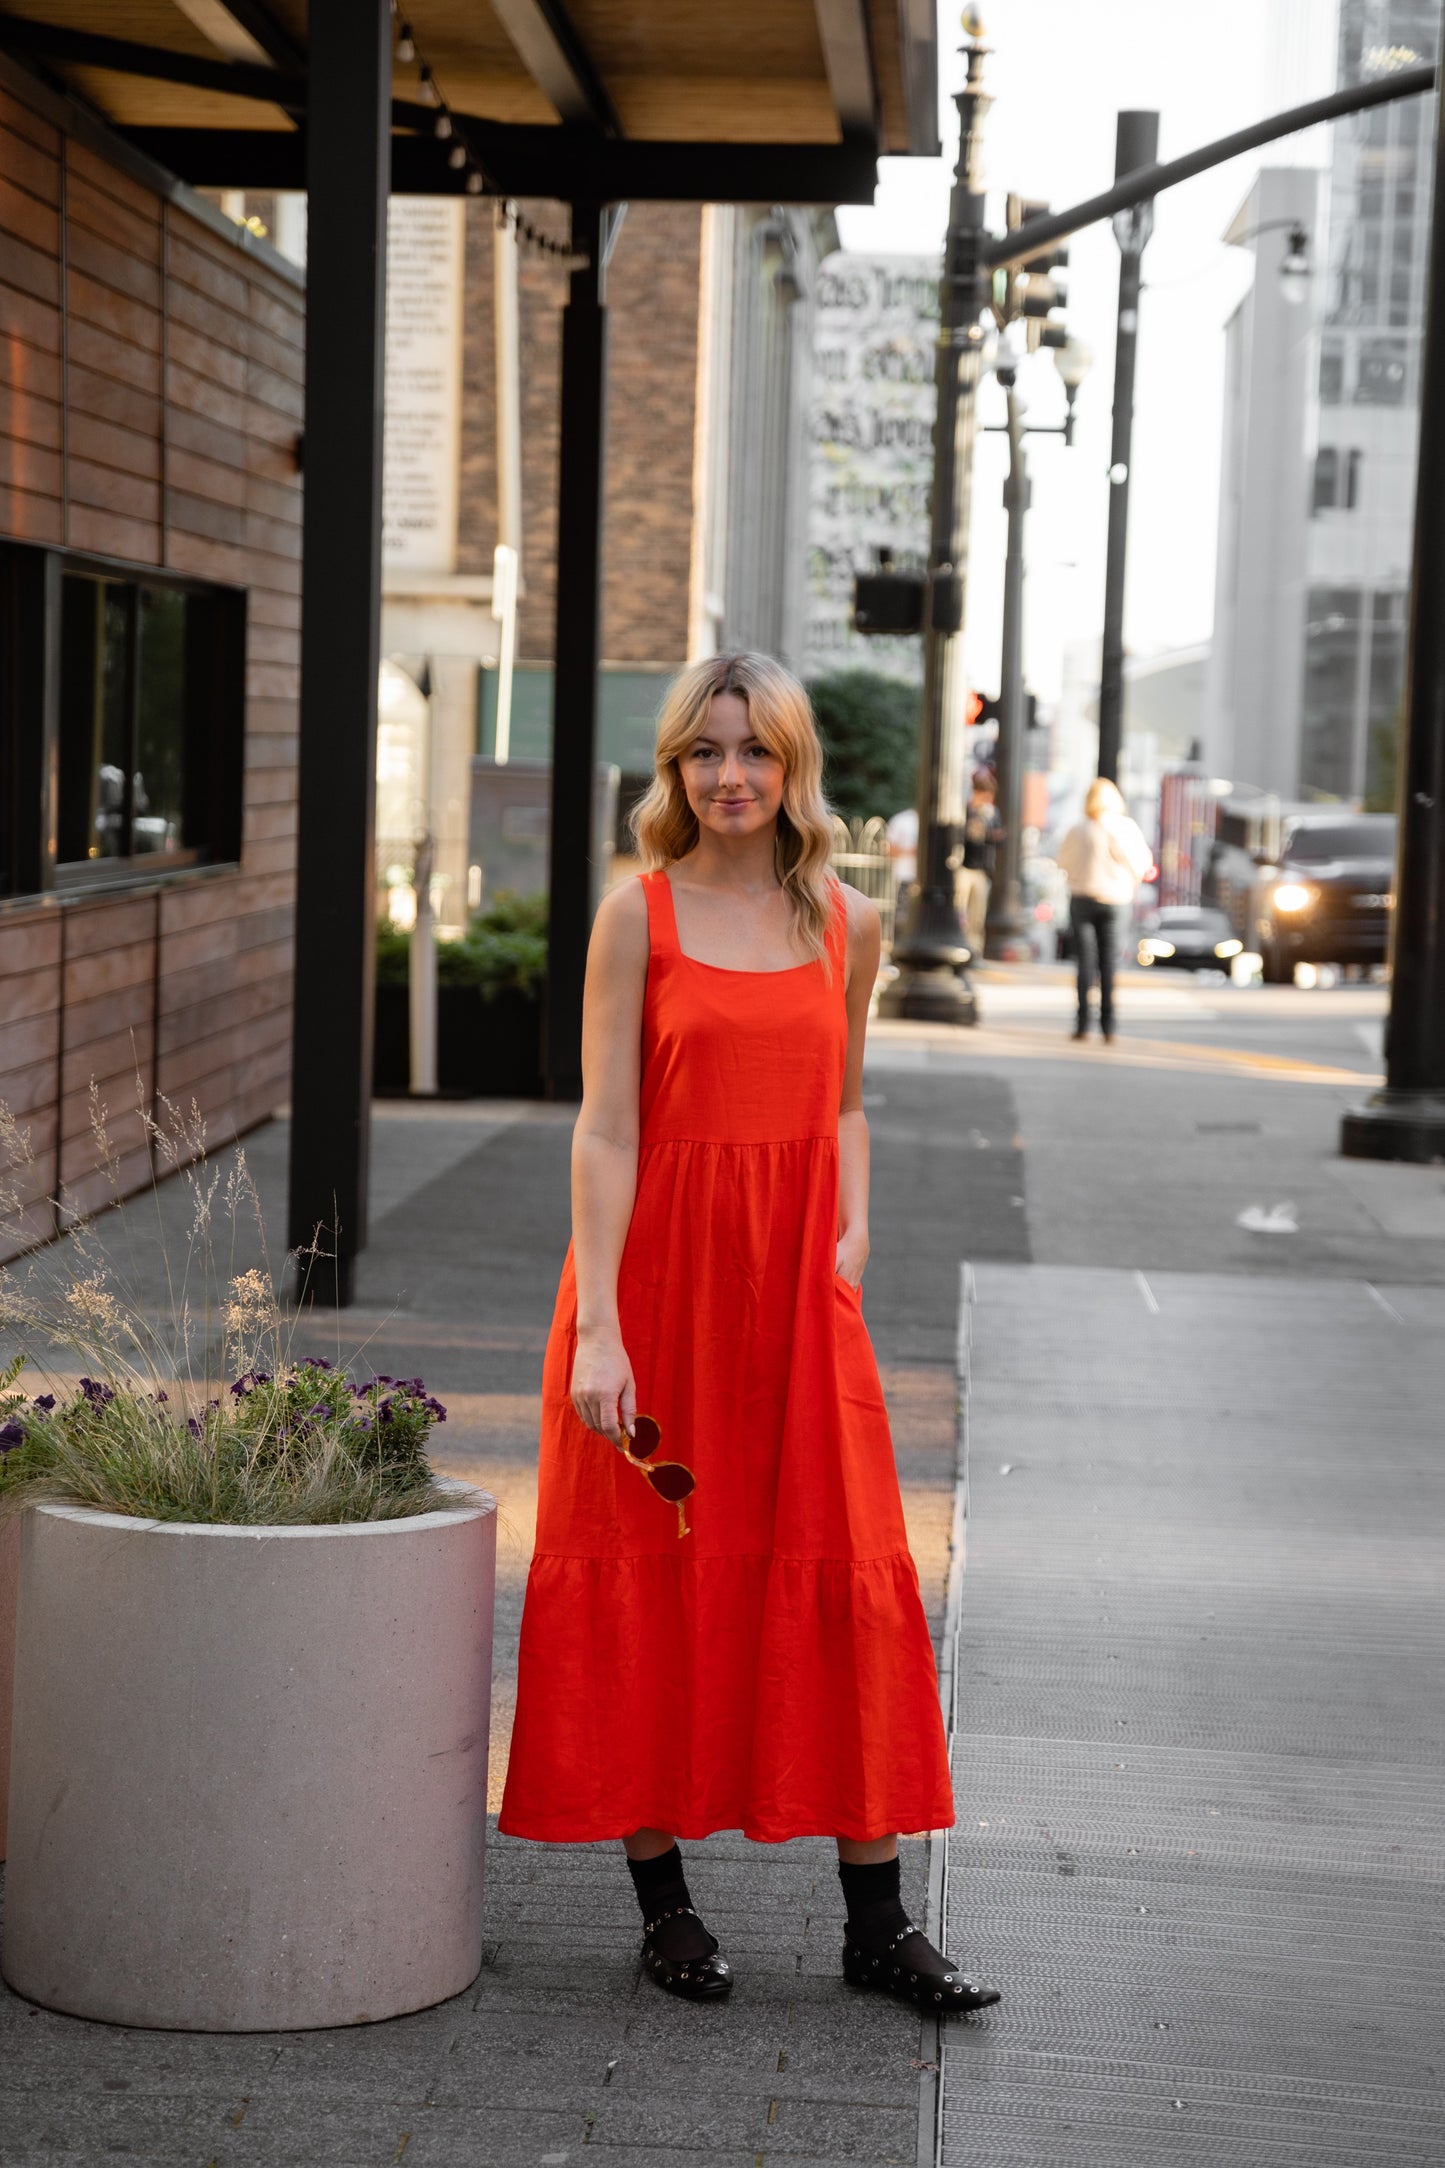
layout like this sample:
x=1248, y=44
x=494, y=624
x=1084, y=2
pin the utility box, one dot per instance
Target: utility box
x=511, y=824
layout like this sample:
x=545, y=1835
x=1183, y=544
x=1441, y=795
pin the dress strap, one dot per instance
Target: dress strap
x=661, y=915
x=837, y=936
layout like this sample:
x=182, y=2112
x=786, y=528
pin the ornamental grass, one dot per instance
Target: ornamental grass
x=200, y=1411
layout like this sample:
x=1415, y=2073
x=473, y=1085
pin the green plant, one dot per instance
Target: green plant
x=504, y=947
x=868, y=723
x=203, y=1413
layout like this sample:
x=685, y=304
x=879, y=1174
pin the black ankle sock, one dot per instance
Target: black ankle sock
x=875, y=1909
x=876, y=1918
x=661, y=1890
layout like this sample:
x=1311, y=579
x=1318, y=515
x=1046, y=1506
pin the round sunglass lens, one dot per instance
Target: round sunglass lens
x=646, y=1437
x=672, y=1481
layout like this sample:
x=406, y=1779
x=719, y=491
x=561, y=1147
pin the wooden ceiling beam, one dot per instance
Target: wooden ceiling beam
x=85, y=48
x=558, y=62
x=848, y=58
x=569, y=165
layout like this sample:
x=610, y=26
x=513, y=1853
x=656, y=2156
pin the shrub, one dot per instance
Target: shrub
x=203, y=1413
x=868, y=723
x=504, y=946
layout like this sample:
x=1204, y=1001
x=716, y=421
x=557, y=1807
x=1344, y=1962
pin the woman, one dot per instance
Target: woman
x=723, y=1627
x=1104, y=858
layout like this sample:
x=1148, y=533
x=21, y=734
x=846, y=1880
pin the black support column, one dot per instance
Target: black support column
x=1136, y=144
x=348, y=125
x=573, y=874
x=1407, y=1119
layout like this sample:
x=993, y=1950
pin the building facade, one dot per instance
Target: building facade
x=150, y=505
x=1321, y=424
x=873, y=401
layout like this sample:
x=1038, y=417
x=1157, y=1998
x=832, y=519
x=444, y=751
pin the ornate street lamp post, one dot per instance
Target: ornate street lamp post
x=932, y=952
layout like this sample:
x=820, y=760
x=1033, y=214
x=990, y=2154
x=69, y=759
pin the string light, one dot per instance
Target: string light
x=459, y=155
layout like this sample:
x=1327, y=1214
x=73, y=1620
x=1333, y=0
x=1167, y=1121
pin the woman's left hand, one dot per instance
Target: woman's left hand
x=852, y=1258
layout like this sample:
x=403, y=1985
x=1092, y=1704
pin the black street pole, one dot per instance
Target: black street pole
x=1005, y=939
x=348, y=169
x=577, y=653
x=1407, y=1119
x=932, y=953
x=1136, y=144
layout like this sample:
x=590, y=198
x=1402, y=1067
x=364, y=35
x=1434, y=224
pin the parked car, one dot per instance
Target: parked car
x=1326, y=897
x=1188, y=937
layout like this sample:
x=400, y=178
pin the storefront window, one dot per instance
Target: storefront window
x=138, y=685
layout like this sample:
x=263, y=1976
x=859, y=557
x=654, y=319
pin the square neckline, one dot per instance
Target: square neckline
x=729, y=971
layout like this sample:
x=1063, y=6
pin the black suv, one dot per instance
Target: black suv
x=1326, y=898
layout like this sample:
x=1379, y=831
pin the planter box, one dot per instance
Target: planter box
x=249, y=1780
x=485, y=1049
x=9, y=1575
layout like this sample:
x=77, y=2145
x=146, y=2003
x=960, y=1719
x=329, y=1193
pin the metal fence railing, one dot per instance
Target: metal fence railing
x=860, y=856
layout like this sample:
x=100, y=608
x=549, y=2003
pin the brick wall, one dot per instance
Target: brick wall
x=150, y=400
x=652, y=301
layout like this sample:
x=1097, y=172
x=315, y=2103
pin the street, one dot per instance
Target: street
x=1168, y=1403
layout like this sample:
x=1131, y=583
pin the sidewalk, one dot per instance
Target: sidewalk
x=1214, y=1441
x=469, y=1224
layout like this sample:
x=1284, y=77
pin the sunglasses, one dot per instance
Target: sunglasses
x=668, y=1478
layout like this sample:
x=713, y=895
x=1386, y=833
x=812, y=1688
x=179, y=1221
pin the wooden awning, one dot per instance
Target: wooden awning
x=760, y=99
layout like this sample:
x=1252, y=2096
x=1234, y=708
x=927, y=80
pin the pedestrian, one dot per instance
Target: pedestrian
x=723, y=1627
x=903, y=853
x=979, y=844
x=1104, y=858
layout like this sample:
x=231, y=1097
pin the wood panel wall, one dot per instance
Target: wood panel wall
x=150, y=406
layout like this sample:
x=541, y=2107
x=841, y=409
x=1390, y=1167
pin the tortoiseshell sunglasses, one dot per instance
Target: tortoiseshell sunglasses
x=668, y=1478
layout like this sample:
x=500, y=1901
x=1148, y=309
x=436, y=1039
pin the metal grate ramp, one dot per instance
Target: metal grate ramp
x=1200, y=1736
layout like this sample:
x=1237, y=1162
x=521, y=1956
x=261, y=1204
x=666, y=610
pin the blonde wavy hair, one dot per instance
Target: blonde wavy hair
x=664, y=824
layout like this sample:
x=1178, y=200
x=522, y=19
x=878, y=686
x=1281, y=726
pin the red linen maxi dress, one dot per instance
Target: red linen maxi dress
x=770, y=1671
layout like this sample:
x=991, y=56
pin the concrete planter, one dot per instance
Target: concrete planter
x=9, y=1575
x=249, y=1775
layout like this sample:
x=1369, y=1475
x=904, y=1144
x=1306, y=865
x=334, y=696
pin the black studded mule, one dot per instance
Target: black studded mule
x=696, y=1979
x=934, y=1986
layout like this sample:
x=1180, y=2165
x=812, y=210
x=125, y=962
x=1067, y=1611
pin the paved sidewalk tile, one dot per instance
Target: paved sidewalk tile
x=1200, y=1736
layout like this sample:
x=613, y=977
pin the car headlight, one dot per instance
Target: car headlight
x=1155, y=949
x=1292, y=896
x=1229, y=948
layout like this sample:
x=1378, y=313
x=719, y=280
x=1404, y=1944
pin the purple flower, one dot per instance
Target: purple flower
x=193, y=1425
x=160, y=1397
x=11, y=1433
x=44, y=1401
x=99, y=1396
x=322, y=1407
x=316, y=1362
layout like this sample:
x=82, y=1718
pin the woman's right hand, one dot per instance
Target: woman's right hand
x=603, y=1392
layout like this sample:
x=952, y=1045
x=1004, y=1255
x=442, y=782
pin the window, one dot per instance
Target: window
x=1382, y=373
x=121, y=722
x=1327, y=476
x=1337, y=479
x=1332, y=375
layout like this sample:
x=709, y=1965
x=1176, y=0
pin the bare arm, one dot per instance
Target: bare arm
x=864, y=944
x=604, y=1155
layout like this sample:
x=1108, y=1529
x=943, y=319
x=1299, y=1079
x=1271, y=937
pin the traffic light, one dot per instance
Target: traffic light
x=1030, y=289
x=888, y=602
